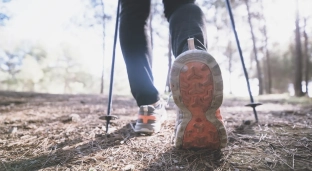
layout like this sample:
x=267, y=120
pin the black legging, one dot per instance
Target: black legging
x=186, y=20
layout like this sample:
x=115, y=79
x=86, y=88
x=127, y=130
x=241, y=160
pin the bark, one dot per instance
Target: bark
x=103, y=47
x=298, y=58
x=268, y=81
x=259, y=73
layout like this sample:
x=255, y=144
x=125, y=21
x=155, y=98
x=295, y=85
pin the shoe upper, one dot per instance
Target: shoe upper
x=149, y=114
x=150, y=118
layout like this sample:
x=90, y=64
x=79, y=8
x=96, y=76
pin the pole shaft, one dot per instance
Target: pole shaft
x=241, y=57
x=113, y=66
x=239, y=49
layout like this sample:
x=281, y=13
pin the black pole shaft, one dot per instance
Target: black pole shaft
x=113, y=67
x=241, y=56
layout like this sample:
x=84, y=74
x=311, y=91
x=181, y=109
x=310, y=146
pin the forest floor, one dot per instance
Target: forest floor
x=63, y=132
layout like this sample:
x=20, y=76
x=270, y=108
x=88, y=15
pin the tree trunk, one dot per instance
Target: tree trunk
x=168, y=88
x=268, y=63
x=229, y=53
x=66, y=80
x=103, y=47
x=306, y=55
x=298, y=58
x=268, y=81
x=259, y=73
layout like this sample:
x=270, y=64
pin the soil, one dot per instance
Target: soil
x=64, y=132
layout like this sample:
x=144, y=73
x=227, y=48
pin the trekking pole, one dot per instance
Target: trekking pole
x=252, y=103
x=109, y=117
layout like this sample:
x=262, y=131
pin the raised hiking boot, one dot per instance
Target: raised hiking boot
x=150, y=118
x=197, y=90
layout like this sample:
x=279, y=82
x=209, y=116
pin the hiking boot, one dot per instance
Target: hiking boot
x=150, y=118
x=197, y=90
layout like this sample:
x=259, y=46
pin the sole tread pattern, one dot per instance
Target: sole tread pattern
x=197, y=87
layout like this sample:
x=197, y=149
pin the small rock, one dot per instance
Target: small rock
x=24, y=137
x=92, y=169
x=67, y=148
x=8, y=122
x=247, y=122
x=304, y=139
x=128, y=167
x=111, y=130
x=30, y=126
x=13, y=130
x=71, y=118
x=75, y=117
x=268, y=160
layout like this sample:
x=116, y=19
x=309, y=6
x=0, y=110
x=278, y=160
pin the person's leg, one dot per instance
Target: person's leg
x=186, y=20
x=136, y=50
x=195, y=79
x=135, y=47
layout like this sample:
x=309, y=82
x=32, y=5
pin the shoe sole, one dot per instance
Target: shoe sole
x=146, y=128
x=197, y=89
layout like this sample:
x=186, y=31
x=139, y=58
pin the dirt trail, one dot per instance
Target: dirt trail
x=63, y=132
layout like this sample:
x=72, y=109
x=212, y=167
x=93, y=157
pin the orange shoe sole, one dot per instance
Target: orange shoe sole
x=197, y=90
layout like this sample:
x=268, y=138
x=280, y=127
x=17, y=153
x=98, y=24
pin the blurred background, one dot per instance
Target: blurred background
x=65, y=47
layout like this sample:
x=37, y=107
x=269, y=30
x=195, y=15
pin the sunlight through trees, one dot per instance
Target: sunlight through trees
x=69, y=51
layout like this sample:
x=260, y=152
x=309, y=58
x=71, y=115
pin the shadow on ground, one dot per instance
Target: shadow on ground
x=73, y=151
